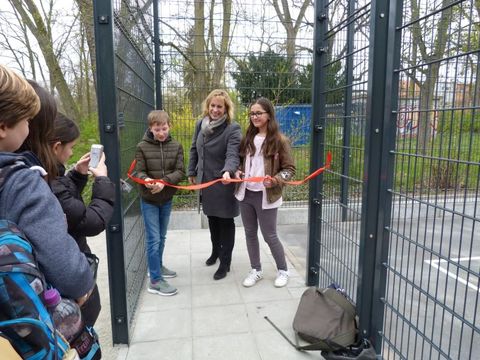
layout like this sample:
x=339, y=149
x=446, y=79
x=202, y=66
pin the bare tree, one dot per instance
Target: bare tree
x=40, y=26
x=85, y=8
x=431, y=51
x=205, y=68
x=291, y=25
x=15, y=41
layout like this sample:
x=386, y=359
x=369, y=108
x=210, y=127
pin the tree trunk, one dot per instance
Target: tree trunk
x=291, y=26
x=427, y=88
x=86, y=17
x=426, y=104
x=199, y=84
x=219, y=69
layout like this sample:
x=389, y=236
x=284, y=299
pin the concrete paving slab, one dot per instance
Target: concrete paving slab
x=210, y=319
x=171, y=349
x=221, y=347
x=214, y=320
x=165, y=324
x=272, y=346
x=222, y=294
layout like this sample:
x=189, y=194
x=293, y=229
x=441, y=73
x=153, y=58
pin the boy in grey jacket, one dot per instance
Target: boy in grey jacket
x=26, y=199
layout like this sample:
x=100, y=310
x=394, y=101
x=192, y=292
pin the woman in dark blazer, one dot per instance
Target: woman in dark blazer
x=213, y=155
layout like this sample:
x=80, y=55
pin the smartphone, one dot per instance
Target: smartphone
x=96, y=152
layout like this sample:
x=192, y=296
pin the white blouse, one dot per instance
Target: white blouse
x=255, y=166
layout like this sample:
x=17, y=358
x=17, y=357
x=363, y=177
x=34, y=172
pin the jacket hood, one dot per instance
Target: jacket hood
x=29, y=158
x=148, y=136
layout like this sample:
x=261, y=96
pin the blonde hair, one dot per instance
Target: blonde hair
x=229, y=109
x=158, y=117
x=18, y=100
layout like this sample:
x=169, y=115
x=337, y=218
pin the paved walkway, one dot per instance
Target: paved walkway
x=211, y=319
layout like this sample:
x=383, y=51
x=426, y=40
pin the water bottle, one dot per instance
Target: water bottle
x=66, y=314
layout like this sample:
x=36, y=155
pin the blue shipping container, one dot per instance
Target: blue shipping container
x=294, y=121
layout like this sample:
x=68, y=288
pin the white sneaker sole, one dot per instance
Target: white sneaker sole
x=280, y=285
x=153, y=291
x=250, y=285
x=165, y=276
x=169, y=276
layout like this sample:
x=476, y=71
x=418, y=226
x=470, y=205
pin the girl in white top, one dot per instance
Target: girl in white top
x=264, y=151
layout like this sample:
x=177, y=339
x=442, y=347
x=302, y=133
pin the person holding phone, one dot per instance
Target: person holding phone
x=83, y=220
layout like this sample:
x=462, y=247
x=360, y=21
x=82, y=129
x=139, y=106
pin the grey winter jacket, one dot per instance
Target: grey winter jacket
x=159, y=160
x=27, y=200
x=210, y=157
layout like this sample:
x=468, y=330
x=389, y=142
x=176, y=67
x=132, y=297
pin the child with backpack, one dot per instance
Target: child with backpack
x=158, y=156
x=83, y=220
x=27, y=201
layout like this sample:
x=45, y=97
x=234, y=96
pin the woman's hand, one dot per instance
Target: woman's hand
x=192, y=180
x=226, y=177
x=270, y=181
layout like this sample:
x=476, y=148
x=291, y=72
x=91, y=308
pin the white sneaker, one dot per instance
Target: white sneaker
x=282, y=278
x=252, y=278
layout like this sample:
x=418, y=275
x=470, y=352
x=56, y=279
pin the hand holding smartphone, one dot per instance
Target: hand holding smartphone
x=96, y=152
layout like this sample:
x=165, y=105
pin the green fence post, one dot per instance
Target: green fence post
x=378, y=171
x=317, y=143
x=107, y=113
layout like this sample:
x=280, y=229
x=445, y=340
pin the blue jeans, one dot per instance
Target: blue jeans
x=155, y=218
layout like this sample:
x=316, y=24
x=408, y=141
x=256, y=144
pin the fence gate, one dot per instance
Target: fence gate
x=394, y=221
x=125, y=91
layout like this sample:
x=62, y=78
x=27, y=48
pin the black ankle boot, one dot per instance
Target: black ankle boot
x=221, y=272
x=211, y=260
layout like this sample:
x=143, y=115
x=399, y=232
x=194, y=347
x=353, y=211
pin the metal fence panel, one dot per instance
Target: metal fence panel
x=255, y=63
x=126, y=95
x=432, y=296
x=344, y=75
x=396, y=215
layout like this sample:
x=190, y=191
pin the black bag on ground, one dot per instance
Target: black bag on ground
x=325, y=318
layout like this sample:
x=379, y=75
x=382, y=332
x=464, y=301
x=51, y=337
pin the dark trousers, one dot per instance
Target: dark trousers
x=222, y=234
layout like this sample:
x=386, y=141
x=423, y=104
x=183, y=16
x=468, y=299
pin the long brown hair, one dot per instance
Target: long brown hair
x=41, y=131
x=274, y=140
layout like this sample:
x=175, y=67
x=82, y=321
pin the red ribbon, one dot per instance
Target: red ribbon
x=210, y=183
